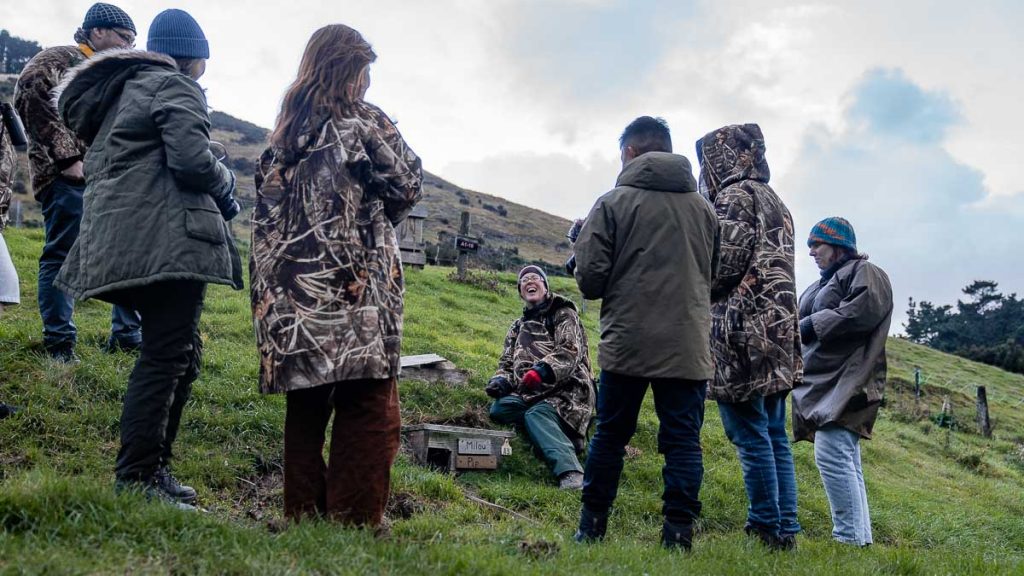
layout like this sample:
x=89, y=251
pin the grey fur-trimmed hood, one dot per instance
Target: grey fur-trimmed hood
x=88, y=90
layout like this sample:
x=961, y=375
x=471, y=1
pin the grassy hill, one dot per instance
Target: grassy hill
x=943, y=501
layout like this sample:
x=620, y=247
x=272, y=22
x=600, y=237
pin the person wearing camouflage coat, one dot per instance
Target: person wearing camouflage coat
x=56, y=164
x=327, y=281
x=543, y=381
x=754, y=336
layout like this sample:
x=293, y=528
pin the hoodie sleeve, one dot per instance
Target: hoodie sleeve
x=567, y=351
x=34, y=102
x=179, y=110
x=594, y=248
x=736, y=224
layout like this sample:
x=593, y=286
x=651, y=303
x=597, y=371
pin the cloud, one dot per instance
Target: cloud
x=924, y=216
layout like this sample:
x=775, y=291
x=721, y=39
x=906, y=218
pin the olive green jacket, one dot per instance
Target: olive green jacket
x=649, y=250
x=151, y=180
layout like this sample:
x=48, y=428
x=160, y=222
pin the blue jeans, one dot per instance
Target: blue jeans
x=757, y=428
x=544, y=428
x=62, y=214
x=680, y=408
x=837, y=454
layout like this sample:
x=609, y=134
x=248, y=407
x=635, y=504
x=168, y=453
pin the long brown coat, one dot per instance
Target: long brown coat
x=326, y=277
x=553, y=334
x=844, y=361
x=754, y=335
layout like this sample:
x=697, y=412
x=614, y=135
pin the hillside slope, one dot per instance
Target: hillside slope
x=943, y=501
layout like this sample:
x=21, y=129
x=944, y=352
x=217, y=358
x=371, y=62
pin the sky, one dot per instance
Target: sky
x=902, y=117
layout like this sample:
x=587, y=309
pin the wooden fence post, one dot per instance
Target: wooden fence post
x=984, y=424
x=461, y=262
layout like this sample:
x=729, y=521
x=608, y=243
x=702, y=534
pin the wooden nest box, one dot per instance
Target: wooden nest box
x=410, y=238
x=453, y=448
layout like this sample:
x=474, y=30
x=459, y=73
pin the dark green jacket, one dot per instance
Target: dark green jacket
x=151, y=179
x=649, y=250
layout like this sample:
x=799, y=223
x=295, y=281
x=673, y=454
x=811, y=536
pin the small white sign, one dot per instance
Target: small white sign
x=474, y=445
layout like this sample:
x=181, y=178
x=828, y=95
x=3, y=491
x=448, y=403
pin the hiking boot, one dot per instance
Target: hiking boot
x=677, y=535
x=8, y=410
x=592, y=526
x=65, y=354
x=168, y=484
x=571, y=480
x=771, y=540
x=152, y=492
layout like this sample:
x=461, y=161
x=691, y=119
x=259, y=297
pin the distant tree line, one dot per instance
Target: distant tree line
x=15, y=52
x=988, y=327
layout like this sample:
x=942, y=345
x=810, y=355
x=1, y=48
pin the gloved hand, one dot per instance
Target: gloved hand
x=498, y=387
x=228, y=207
x=531, y=380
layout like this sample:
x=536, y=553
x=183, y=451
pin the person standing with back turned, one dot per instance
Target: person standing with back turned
x=648, y=250
x=754, y=340
x=327, y=280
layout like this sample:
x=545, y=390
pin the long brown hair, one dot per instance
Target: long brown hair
x=332, y=77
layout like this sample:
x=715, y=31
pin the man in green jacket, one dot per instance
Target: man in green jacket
x=649, y=251
x=58, y=179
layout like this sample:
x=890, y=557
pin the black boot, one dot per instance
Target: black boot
x=168, y=484
x=592, y=526
x=771, y=540
x=152, y=491
x=677, y=535
x=8, y=410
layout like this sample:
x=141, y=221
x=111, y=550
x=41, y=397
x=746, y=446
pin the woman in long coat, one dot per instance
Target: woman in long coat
x=844, y=322
x=327, y=282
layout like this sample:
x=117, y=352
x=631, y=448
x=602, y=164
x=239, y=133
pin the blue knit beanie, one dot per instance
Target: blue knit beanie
x=102, y=15
x=175, y=33
x=835, y=231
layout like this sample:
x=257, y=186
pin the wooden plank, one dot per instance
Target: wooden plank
x=475, y=446
x=472, y=462
x=460, y=430
x=421, y=360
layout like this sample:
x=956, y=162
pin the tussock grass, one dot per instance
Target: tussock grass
x=943, y=501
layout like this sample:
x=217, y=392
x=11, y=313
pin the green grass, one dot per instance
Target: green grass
x=943, y=501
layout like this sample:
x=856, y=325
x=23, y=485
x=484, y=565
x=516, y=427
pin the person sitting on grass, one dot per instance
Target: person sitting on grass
x=544, y=382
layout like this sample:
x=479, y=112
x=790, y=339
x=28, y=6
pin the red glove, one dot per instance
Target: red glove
x=531, y=380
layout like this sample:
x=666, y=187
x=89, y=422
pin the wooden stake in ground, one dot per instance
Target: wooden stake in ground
x=463, y=255
x=984, y=424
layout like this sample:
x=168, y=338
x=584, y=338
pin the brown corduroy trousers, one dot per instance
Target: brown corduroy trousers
x=353, y=486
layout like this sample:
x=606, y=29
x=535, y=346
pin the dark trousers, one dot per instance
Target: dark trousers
x=161, y=382
x=353, y=486
x=680, y=408
x=62, y=214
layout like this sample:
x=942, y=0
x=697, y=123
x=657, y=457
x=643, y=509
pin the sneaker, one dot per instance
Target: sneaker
x=65, y=354
x=168, y=484
x=8, y=410
x=592, y=526
x=571, y=480
x=677, y=535
x=152, y=492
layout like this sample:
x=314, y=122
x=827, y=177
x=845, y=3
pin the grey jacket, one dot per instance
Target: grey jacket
x=649, y=250
x=846, y=322
x=149, y=213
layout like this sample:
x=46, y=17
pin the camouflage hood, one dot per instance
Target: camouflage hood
x=87, y=92
x=731, y=154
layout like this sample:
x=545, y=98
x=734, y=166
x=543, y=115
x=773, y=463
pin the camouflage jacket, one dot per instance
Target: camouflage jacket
x=52, y=146
x=553, y=334
x=326, y=278
x=755, y=338
x=8, y=162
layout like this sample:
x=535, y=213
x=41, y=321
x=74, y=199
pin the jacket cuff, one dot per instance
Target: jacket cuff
x=807, y=334
x=65, y=163
x=547, y=375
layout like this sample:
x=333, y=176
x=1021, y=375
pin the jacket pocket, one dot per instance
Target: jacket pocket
x=205, y=225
